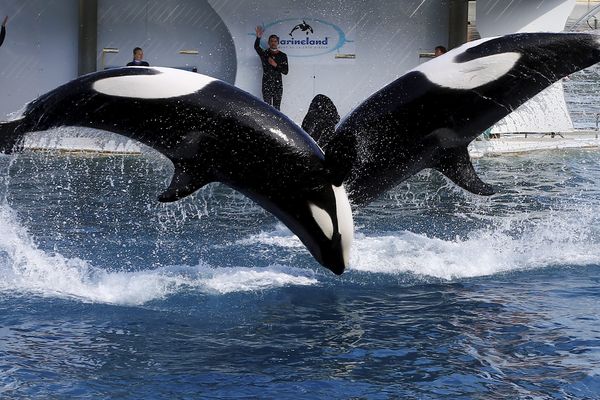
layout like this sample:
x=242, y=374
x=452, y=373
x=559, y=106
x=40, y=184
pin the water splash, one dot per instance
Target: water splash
x=510, y=243
x=25, y=268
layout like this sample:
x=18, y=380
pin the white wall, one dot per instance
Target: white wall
x=387, y=35
x=496, y=18
x=40, y=49
x=163, y=28
x=546, y=112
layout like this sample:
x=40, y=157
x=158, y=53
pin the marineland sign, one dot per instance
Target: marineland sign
x=308, y=37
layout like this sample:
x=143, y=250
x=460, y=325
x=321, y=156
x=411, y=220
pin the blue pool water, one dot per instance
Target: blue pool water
x=106, y=293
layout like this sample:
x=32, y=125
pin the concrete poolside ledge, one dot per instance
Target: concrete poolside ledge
x=514, y=143
x=81, y=141
x=94, y=142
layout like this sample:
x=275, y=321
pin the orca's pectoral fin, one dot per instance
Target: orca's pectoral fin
x=456, y=164
x=183, y=184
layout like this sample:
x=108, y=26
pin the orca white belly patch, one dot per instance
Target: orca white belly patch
x=470, y=74
x=168, y=83
x=444, y=71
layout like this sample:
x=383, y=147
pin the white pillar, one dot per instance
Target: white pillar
x=547, y=112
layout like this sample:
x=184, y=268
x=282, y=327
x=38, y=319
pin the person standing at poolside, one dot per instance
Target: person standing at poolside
x=138, y=59
x=3, y=30
x=439, y=50
x=275, y=64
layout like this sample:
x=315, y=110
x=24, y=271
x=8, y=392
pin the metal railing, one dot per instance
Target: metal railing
x=586, y=17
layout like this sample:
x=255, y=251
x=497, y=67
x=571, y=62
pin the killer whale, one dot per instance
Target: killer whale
x=427, y=117
x=211, y=131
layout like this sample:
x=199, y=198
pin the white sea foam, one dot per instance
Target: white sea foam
x=279, y=236
x=549, y=242
x=509, y=245
x=555, y=239
x=226, y=280
x=27, y=269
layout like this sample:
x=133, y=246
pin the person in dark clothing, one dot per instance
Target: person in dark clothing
x=439, y=50
x=274, y=63
x=138, y=59
x=3, y=30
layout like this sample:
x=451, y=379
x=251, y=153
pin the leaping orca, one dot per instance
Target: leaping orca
x=427, y=117
x=211, y=131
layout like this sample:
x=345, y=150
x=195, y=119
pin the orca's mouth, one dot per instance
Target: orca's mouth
x=333, y=258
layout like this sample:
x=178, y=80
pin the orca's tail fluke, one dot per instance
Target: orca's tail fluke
x=11, y=136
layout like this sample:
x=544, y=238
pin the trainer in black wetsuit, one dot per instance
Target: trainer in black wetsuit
x=138, y=59
x=3, y=30
x=274, y=63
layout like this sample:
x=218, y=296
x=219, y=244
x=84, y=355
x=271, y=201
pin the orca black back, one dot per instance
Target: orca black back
x=427, y=118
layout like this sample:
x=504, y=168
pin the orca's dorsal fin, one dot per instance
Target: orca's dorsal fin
x=321, y=118
x=455, y=163
x=183, y=184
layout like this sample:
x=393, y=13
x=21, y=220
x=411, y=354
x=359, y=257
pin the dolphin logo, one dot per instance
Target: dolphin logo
x=304, y=27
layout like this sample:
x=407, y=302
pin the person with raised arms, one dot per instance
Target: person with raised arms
x=275, y=64
x=3, y=30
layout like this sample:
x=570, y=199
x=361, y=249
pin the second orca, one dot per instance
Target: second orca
x=427, y=117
